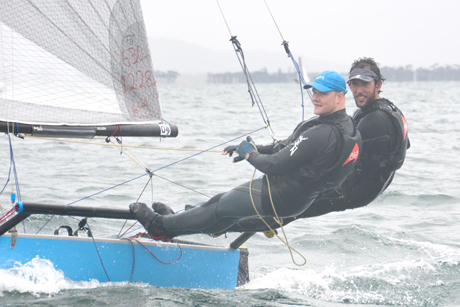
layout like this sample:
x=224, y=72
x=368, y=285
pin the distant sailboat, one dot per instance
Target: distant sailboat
x=303, y=72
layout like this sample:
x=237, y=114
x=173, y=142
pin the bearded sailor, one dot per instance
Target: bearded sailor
x=385, y=137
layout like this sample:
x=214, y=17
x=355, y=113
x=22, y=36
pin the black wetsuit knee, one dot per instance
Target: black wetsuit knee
x=219, y=213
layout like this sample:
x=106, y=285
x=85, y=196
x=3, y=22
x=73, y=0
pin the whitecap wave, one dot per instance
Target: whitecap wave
x=400, y=283
x=38, y=276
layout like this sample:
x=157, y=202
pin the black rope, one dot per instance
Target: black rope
x=145, y=187
x=152, y=174
x=134, y=259
x=255, y=98
x=296, y=65
x=140, y=195
x=99, y=255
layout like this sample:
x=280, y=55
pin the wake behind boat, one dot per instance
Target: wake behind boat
x=81, y=70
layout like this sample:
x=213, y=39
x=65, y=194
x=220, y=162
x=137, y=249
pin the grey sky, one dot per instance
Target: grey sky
x=327, y=32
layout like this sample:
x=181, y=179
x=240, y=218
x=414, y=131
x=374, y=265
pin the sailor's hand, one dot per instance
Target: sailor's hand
x=229, y=150
x=246, y=148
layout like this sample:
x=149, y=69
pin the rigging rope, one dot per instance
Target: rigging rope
x=134, y=259
x=133, y=157
x=8, y=178
x=276, y=218
x=99, y=255
x=140, y=195
x=183, y=186
x=115, y=145
x=120, y=235
x=255, y=98
x=7, y=215
x=152, y=172
x=159, y=260
x=15, y=186
x=147, y=173
x=296, y=65
x=15, y=191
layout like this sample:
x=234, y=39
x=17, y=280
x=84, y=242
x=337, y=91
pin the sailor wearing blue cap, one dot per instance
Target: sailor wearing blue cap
x=385, y=139
x=384, y=132
x=329, y=80
x=316, y=158
x=329, y=90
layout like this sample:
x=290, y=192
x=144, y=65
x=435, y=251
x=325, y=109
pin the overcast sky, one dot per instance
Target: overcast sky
x=394, y=32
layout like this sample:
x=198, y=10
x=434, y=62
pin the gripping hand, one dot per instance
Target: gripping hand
x=246, y=147
x=229, y=150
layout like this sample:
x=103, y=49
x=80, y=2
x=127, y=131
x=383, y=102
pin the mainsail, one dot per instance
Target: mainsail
x=72, y=65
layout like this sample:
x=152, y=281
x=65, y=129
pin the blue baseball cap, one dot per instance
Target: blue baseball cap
x=329, y=80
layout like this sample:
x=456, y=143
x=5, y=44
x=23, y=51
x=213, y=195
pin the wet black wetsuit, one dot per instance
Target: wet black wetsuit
x=385, y=139
x=384, y=151
x=317, y=157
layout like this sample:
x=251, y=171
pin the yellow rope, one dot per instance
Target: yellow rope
x=276, y=219
x=131, y=156
x=111, y=145
x=134, y=158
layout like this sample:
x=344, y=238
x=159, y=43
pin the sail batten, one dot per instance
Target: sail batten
x=73, y=62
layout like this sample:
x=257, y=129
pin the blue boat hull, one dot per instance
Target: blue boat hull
x=198, y=266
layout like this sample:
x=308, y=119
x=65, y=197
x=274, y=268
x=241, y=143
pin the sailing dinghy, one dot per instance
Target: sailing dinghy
x=82, y=69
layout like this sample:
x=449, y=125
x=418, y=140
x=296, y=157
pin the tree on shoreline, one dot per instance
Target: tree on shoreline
x=433, y=73
x=398, y=74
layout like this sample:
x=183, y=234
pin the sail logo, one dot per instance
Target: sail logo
x=353, y=155
x=296, y=144
x=406, y=127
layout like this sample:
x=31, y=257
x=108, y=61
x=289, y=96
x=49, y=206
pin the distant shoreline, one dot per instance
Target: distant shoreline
x=397, y=74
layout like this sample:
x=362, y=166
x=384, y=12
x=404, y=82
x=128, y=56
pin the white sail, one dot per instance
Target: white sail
x=303, y=72
x=73, y=62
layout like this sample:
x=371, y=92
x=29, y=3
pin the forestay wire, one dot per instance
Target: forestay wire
x=296, y=65
x=255, y=98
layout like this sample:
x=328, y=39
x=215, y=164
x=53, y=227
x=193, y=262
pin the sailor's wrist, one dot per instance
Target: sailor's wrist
x=248, y=154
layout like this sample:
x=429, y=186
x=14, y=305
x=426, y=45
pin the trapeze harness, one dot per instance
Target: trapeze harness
x=360, y=188
x=398, y=154
x=295, y=191
x=289, y=194
x=373, y=173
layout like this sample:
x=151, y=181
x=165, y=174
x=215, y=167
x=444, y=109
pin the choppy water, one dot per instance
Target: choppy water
x=402, y=250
